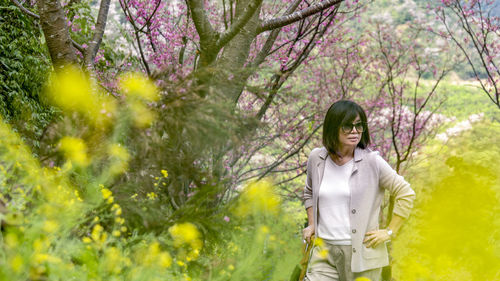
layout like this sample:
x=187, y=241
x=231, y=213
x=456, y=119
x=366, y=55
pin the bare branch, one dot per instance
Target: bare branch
x=137, y=36
x=299, y=15
x=297, y=150
x=264, y=52
x=94, y=44
x=25, y=10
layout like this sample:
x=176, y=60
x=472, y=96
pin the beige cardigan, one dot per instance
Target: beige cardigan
x=370, y=178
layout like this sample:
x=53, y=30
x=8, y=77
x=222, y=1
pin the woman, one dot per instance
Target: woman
x=344, y=190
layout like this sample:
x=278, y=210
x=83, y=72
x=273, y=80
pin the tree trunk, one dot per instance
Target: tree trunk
x=230, y=78
x=56, y=32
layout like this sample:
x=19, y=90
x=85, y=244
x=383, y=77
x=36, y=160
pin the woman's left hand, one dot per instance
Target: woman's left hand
x=375, y=237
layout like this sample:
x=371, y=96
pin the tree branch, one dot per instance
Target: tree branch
x=200, y=19
x=288, y=19
x=31, y=14
x=238, y=25
x=94, y=44
x=25, y=10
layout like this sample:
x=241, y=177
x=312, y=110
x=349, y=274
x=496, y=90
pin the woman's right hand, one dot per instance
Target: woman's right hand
x=307, y=233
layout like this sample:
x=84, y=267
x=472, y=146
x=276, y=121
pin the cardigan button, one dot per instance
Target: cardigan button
x=354, y=231
x=353, y=211
x=354, y=250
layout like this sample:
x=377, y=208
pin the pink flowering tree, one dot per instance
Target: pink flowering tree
x=474, y=27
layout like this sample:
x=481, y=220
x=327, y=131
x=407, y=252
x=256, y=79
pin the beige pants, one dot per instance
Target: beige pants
x=336, y=266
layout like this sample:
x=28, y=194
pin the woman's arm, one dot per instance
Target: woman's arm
x=308, y=202
x=397, y=186
x=403, y=203
x=375, y=237
x=309, y=230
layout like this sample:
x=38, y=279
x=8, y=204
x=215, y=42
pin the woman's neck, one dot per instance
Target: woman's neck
x=343, y=154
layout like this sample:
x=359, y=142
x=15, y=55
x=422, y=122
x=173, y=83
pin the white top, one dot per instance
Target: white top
x=333, y=205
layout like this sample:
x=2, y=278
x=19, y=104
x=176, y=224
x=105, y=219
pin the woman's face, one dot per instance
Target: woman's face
x=349, y=135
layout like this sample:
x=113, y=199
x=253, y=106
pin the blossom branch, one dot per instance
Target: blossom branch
x=296, y=16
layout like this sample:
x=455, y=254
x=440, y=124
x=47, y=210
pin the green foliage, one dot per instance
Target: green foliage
x=454, y=232
x=465, y=99
x=95, y=237
x=24, y=66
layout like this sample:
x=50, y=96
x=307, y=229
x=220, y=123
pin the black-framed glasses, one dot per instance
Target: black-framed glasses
x=347, y=128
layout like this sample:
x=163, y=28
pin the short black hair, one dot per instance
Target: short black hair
x=340, y=113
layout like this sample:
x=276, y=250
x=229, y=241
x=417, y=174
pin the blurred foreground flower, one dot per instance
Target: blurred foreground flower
x=258, y=197
x=139, y=90
x=186, y=234
x=136, y=85
x=72, y=91
x=75, y=150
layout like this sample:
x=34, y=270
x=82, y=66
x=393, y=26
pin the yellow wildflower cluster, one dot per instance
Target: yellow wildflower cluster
x=114, y=261
x=107, y=194
x=40, y=258
x=137, y=85
x=75, y=150
x=186, y=234
x=153, y=256
x=164, y=173
x=72, y=91
x=139, y=90
x=152, y=196
x=258, y=197
x=98, y=235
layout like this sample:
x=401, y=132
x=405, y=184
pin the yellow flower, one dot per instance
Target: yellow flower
x=50, y=226
x=362, y=279
x=116, y=233
x=106, y=194
x=258, y=197
x=137, y=85
x=113, y=260
x=97, y=234
x=72, y=91
x=119, y=152
x=75, y=150
x=16, y=263
x=152, y=196
x=323, y=253
x=117, y=209
x=41, y=258
x=319, y=242
x=264, y=229
x=143, y=117
x=86, y=240
x=164, y=260
x=11, y=240
x=164, y=173
x=187, y=234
